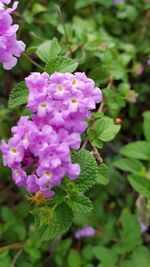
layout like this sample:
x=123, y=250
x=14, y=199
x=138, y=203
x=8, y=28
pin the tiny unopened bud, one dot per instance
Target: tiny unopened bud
x=118, y=121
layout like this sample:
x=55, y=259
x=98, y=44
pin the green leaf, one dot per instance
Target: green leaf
x=74, y=259
x=48, y=50
x=131, y=232
x=129, y=165
x=5, y=262
x=139, y=258
x=59, y=226
x=102, y=177
x=106, y=256
x=87, y=252
x=106, y=129
x=137, y=150
x=38, y=8
x=18, y=96
x=7, y=215
x=80, y=203
x=82, y=4
x=127, y=263
x=61, y=64
x=146, y=125
x=25, y=264
x=88, y=174
x=4, y=254
x=140, y=183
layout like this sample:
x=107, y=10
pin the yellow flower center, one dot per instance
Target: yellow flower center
x=48, y=174
x=74, y=100
x=60, y=87
x=74, y=82
x=16, y=172
x=42, y=105
x=13, y=151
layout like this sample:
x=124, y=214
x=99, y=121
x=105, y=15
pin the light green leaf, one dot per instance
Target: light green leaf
x=5, y=262
x=137, y=150
x=105, y=255
x=87, y=252
x=131, y=232
x=102, y=177
x=59, y=226
x=80, y=203
x=127, y=263
x=48, y=50
x=141, y=257
x=18, y=96
x=129, y=165
x=146, y=125
x=140, y=183
x=88, y=174
x=82, y=4
x=74, y=259
x=106, y=129
x=61, y=64
x=38, y=8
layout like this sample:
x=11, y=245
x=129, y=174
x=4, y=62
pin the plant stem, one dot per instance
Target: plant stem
x=12, y=246
x=32, y=62
x=16, y=257
x=58, y=10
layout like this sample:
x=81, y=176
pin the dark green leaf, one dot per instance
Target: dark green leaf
x=18, y=96
x=80, y=203
x=88, y=175
x=61, y=64
x=59, y=226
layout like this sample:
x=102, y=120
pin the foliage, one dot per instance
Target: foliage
x=110, y=43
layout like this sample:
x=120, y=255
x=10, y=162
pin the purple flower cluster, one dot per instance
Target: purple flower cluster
x=10, y=48
x=85, y=231
x=39, y=151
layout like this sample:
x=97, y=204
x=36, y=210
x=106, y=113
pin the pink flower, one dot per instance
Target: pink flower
x=10, y=48
x=148, y=61
x=85, y=231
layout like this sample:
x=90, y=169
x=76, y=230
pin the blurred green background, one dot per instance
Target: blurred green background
x=111, y=43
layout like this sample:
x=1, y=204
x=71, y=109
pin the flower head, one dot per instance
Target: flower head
x=10, y=47
x=39, y=150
